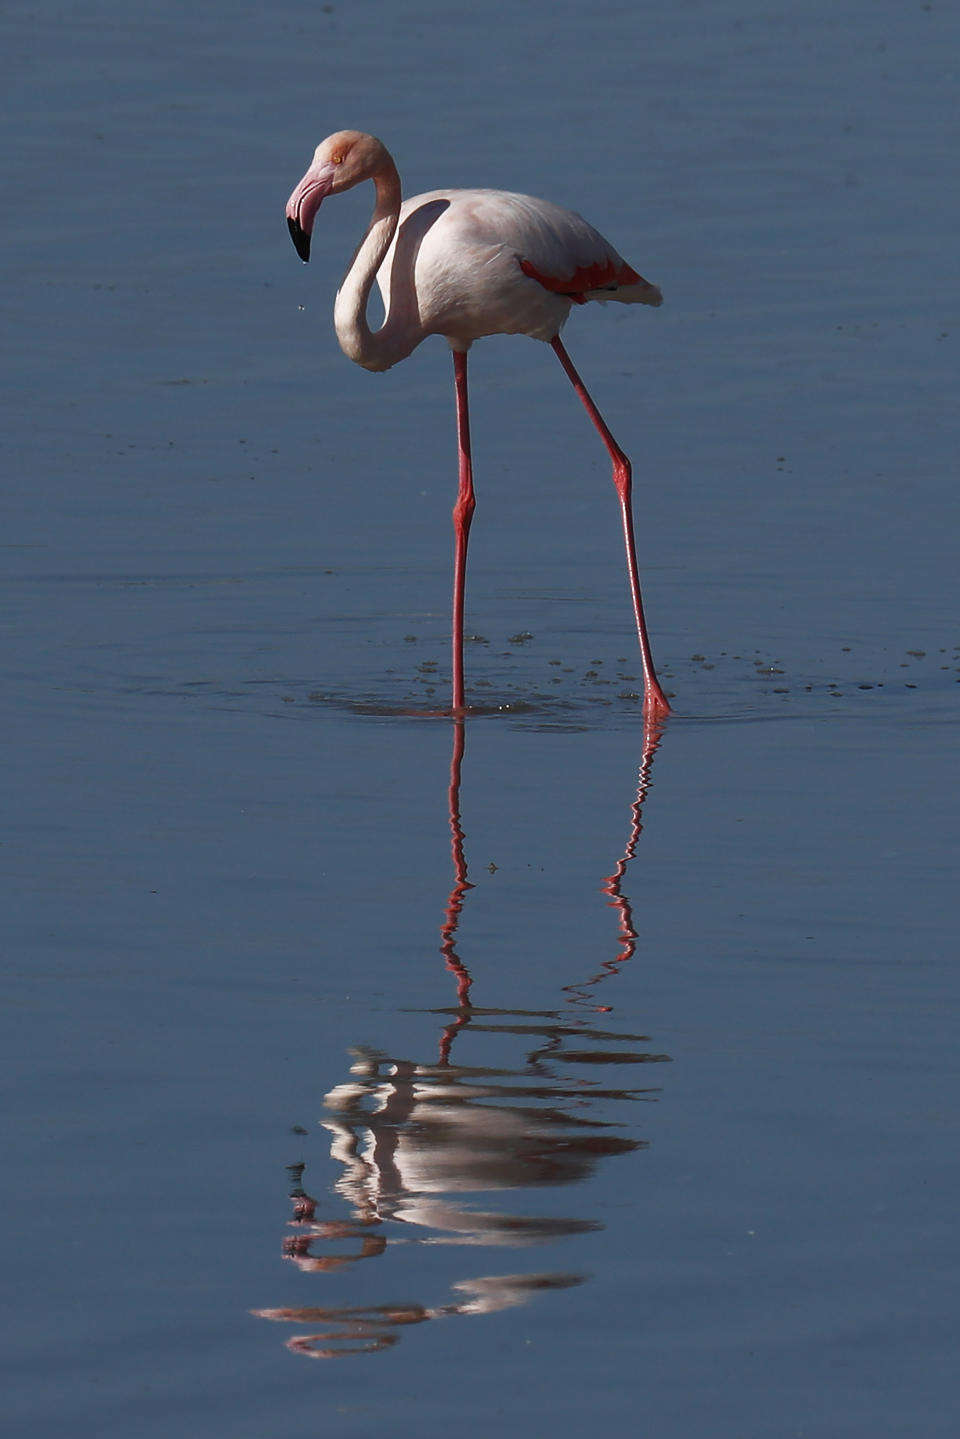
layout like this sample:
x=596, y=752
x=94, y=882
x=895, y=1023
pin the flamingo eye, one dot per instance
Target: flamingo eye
x=336, y=159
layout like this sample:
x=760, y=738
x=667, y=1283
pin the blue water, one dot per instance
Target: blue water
x=614, y=1083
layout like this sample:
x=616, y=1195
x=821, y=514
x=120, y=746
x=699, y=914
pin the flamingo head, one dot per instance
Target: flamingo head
x=340, y=161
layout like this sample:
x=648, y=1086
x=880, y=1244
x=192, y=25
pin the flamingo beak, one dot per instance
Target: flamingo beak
x=304, y=203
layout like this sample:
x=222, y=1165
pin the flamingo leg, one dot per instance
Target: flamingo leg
x=462, y=515
x=655, y=705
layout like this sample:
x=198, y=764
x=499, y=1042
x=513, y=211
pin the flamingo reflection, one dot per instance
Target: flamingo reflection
x=422, y=1145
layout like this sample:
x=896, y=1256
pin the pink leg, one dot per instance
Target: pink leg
x=462, y=515
x=655, y=704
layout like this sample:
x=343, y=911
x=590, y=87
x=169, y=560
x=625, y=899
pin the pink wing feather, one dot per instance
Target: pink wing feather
x=610, y=275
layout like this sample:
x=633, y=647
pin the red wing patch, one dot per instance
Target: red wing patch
x=603, y=276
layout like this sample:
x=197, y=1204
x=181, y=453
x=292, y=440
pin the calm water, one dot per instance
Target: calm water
x=372, y=1075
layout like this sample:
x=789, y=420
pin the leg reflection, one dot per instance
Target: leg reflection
x=627, y=935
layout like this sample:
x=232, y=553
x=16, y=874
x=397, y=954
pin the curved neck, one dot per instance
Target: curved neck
x=375, y=350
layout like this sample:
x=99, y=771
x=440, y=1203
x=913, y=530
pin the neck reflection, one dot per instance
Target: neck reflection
x=528, y=1108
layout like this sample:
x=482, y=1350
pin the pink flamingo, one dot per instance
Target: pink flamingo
x=466, y=263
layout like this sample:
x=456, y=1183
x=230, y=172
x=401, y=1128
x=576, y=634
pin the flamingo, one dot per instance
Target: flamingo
x=462, y=264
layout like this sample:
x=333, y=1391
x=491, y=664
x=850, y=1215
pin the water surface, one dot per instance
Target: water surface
x=370, y=1074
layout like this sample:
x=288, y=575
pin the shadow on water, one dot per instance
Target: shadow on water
x=416, y=1139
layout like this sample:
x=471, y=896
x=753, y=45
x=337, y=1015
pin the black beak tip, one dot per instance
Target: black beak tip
x=300, y=238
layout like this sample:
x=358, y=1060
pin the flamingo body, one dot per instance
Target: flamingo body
x=464, y=264
x=469, y=263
